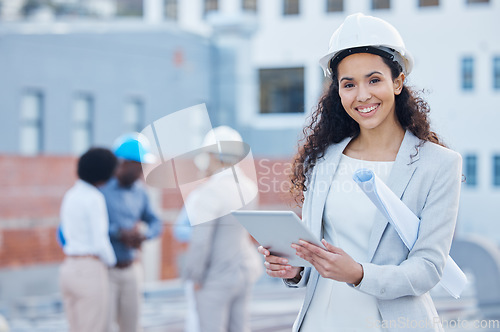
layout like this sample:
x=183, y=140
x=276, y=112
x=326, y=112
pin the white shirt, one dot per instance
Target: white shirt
x=347, y=223
x=84, y=223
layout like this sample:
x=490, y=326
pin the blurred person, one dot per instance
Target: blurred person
x=84, y=222
x=182, y=233
x=366, y=279
x=221, y=262
x=131, y=222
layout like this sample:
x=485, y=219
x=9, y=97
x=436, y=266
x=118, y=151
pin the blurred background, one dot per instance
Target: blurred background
x=78, y=73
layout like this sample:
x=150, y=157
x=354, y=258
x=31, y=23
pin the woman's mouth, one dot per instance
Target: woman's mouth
x=367, y=110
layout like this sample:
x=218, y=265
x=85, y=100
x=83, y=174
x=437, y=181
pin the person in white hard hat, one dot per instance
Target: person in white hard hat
x=221, y=262
x=366, y=279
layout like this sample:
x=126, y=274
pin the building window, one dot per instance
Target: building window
x=496, y=73
x=133, y=115
x=82, y=124
x=477, y=1
x=381, y=4
x=291, y=7
x=467, y=73
x=128, y=7
x=334, y=6
x=249, y=5
x=471, y=170
x=210, y=6
x=428, y=3
x=496, y=170
x=171, y=10
x=31, y=135
x=281, y=90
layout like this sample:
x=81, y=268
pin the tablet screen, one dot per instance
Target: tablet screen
x=276, y=231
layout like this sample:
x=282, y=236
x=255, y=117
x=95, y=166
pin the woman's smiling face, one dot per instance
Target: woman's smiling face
x=367, y=91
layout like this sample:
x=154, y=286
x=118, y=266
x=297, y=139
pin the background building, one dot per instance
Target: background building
x=80, y=73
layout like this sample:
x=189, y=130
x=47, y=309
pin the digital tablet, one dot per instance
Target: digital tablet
x=276, y=231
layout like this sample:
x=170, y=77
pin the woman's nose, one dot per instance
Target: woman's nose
x=363, y=94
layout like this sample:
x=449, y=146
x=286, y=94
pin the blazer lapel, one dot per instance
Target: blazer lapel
x=324, y=172
x=403, y=169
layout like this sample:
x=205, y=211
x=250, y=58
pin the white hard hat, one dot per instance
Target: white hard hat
x=223, y=133
x=366, y=34
x=223, y=141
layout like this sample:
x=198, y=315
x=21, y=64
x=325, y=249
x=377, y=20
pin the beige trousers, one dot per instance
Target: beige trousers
x=125, y=289
x=84, y=286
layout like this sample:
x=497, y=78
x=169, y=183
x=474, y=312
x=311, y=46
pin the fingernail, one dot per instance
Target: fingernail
x=288, y=267
x=284, y=261
x=302, y=242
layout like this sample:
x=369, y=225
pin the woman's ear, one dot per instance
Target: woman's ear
x=398, y=83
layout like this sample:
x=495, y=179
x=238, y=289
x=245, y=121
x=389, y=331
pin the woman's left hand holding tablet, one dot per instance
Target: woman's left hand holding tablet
x=278, y=266
x=332, y=262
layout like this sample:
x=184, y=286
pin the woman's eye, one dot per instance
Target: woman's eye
x=348, y=85
x=374, y=80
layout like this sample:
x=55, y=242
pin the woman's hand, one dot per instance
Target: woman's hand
x=332, y=262
x=277, y=266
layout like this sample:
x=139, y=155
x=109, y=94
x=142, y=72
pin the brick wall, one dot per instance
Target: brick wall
x=31, y=190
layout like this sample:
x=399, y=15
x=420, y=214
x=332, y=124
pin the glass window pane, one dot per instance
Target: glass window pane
x=30, y=131
x=250, y=5
x=471, y=170
x=281, y=90
x=171, y=10
x=82, y=124
x=211, y=5
x=381, y=4
x=334, y=6
x=477, y=1
x=428, y=3
x=496, y=170
x=129, y=7
x=291, y=7
x=81, y=111
x=30, y=108
x=133, y=116
x=468, y=73
x=81, y=140
x=30, y=144
x=496, y=73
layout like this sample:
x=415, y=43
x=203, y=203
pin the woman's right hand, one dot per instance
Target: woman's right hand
x=277, y=266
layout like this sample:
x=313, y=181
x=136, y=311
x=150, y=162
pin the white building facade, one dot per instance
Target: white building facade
x=456, y=47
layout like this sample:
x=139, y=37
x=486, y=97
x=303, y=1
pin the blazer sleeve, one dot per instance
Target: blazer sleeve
x=424, y=265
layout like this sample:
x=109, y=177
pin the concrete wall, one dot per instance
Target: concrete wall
x=165, y=68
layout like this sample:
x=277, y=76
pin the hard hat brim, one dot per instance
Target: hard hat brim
x=403, y=57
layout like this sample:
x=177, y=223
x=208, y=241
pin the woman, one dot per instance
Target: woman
x=84, y=223
x=366, y=279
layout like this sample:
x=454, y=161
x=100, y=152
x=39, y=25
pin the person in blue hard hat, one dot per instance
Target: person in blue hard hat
x=131, y=222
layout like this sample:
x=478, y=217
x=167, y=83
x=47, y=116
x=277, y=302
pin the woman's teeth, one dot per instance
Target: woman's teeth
x=368, y=109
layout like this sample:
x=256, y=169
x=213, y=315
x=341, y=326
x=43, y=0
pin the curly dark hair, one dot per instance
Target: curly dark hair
x=96, y=165
x=330, y=124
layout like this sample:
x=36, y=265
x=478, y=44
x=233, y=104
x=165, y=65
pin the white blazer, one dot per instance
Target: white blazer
x=427, y=179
